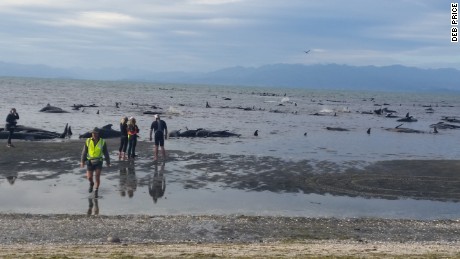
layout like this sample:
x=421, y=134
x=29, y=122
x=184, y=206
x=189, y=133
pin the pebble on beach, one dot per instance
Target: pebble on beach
x=113, y=239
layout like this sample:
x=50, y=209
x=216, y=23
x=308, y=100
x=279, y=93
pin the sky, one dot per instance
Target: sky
x=207, y=35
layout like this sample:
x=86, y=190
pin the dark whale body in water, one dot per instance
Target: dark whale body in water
x=29, y=133
x=105, y=132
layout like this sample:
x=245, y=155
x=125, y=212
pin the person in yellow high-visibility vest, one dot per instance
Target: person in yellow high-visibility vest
x=93, y=150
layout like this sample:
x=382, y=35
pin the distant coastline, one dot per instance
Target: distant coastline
x=395, y=78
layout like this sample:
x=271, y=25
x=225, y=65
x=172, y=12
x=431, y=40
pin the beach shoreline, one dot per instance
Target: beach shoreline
x=141, y=236
x=46, y=235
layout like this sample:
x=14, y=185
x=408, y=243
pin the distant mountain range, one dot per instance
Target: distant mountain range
x=331, y=76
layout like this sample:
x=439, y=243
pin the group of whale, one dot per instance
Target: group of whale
x=30, y=133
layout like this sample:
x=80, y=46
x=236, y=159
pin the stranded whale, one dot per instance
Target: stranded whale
x=202, y=133
x=52, y=109
x=105, y=132
x=29, y=133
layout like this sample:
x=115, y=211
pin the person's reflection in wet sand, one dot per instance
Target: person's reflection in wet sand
x=128, y=181
x=93, y=208
x=123, y=176
x=11, y=179
x=157, y=183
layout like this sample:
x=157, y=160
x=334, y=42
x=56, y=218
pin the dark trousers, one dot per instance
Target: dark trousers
x=132, y=141
x=10, y=135
x=123, y=144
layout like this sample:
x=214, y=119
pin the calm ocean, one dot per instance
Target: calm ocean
x=282, y=117
x=288, y=130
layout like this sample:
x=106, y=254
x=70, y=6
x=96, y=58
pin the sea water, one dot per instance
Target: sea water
x=291, y=124
x=281, y=116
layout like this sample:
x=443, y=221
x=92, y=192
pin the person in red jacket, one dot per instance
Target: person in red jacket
x=133, y=132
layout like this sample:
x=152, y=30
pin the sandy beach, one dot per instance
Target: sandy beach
x=77, y=236
x=143, y=236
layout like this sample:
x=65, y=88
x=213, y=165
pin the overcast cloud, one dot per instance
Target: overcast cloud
x=206, y=35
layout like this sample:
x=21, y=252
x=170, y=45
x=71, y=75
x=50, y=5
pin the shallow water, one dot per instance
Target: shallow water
x=281, y=136
x=134, y=189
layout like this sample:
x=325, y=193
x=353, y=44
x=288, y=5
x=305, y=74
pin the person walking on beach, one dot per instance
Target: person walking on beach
x=161, y=133
x=93, y=150
x=133, y=130
x=123, y=138
x=11, y=119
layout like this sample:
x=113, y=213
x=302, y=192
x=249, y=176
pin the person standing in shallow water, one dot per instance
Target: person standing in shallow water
x=133, y=130
x=93, y=151
x=161, y=133
x=123, y=138
x=11, y=119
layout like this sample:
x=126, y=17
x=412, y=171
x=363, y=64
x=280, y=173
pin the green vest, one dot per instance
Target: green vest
x=95, y=151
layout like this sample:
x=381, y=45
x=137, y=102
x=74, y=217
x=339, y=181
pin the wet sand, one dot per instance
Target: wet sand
x=437, y=180
x=81, y=236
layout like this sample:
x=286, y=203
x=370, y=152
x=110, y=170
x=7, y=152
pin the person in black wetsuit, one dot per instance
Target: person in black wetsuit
x=11, y=124
x=123, y=138
x=161, y=133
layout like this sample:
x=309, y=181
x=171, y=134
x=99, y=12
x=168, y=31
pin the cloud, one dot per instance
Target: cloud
x=211, y=34
x=430, y=27
x=213, y=2
x=30, y=4
x=93, y=19
x=187, y=33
